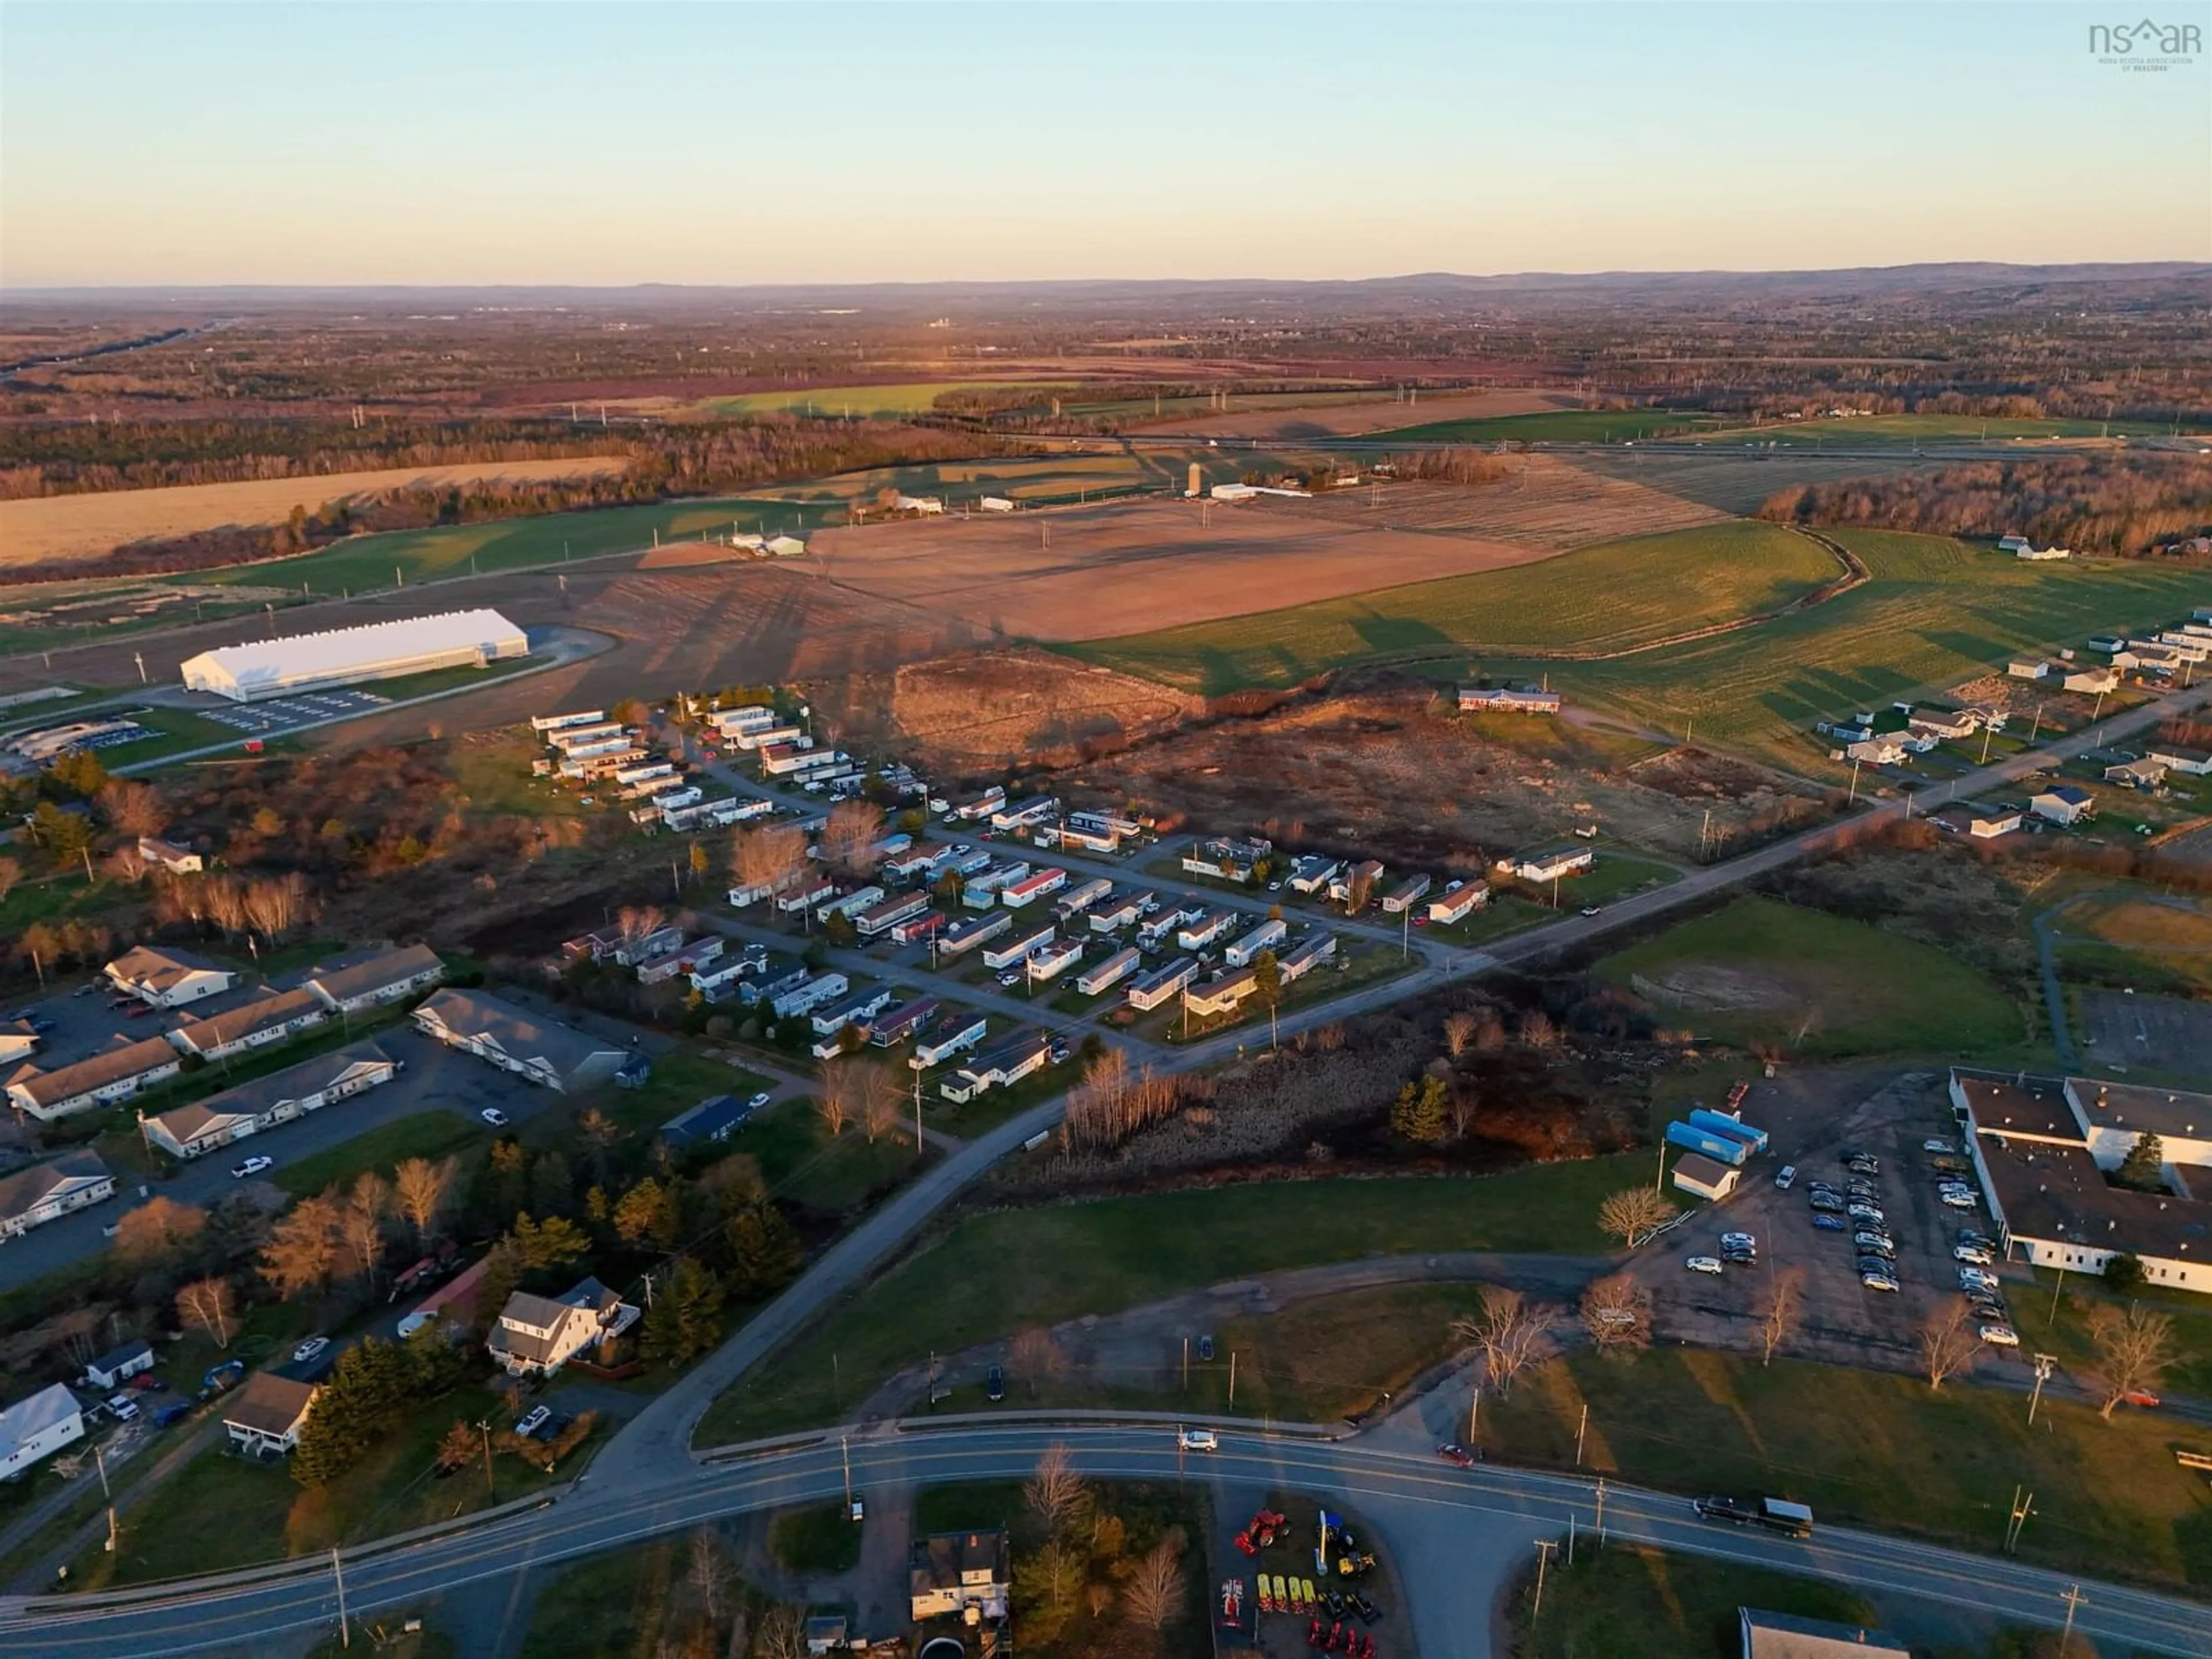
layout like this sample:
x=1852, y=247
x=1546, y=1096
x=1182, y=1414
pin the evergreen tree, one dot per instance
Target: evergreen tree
x=764, y=1253
x=2143, y=1169
x=685, y=1318
x=1419, y=1114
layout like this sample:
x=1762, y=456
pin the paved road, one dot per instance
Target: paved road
x=1489, y=1514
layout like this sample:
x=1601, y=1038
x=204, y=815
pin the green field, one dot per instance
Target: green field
x=1935, y=611
x=990, y=1274
x=1932, y=429
x=1880, y=1449
x=420, y=1134
x=1564, y=425
x=1626, y=1602
x=1614, y=596
x=1761, y=971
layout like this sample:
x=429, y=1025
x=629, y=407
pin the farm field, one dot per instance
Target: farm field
x=914, y=397
x=1546, y=503
x=1737, y=481
x=1614, y=596
x=1762, y=972
x=1935, y=428
x=1345, y=414
x=1568, y=426
x=988, y=1274
x=88, y=526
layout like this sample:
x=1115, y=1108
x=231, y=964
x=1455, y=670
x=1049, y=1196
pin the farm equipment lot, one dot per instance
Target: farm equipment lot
x=1814, y=1117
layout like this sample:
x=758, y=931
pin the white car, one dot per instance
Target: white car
x=252, y=1166
x=314, y=1348
x=494, y=1116
x=757, y=1101
x=415, y=1321
x=123, y=1405
x=1879, y=1282
x=538, y=1419
x=1935, y=1143
x=1198, y=1440
x=1704, y=1264
x=1999, y=1336
x=1740, y=1241
x=1972, y=1255
x=1973, y=1279
x=1785, y=1176
x=1962, y=1202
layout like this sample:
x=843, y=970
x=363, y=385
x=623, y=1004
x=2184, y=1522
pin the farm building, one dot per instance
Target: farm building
x=1510, y=701
x=345, y=656
x=1459, y=903
x=1696, y=1172
x=45, y=1191
x=2063, y=805
x=267, y=1101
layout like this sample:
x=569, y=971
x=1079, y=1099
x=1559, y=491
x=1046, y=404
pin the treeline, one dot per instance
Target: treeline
x=2124, y=503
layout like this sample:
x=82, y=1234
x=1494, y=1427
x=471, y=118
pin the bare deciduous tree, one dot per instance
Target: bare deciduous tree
x=360, y=1221
x=1511, y=1332
x=1154, y=1594
x=274, y=905
x=421, y=1191
x=1633, y=1214
x=1538, y=1032
x=633, y=922
x=1616, y=1312
x=156, y=1229
x=709, y=1572
x=135, y=809
x=833, y=1097
x=2134, y=1346
x=850, y=835
x=1035, y=1357
x=1947, y=1343
x=1781, y=1310
x=1112, y=1103
x=1459, y=1031
x=782, y=1634
x=877, y=1087
x=11, y=872
x=210, y=1305
x=1055, y=1493
x=769, y=856
x=302, y=1246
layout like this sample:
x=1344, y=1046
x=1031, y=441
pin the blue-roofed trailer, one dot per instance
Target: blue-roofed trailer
x=1720, y=1124
x=1725, y=1149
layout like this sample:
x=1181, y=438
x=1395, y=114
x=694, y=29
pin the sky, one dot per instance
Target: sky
x=585, y=143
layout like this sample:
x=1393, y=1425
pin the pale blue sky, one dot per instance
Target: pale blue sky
x=187, y=143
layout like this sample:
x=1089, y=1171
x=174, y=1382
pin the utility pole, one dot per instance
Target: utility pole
x=1186, y=1362
x=2023, y=1505
x=1581, y=1428
x=1543, y=1548
x=2074, y=1598
x=345, y=1633
x=2045, y=1364
x=1233, y=1376
x=491, y=1487
x=917, y=1113
x=1600, y=1510
x=2055, y=1289
x=99, y=1457
x=1473, y=1416
x=845, y=1451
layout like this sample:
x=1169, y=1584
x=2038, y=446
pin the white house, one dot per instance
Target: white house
x=1265, y=936
x=37, y=1426
x=2197, y=762
x=173, y=856
x=362, y=980
x=119, y=1365
x=538, y=1334
x=256, y=1024
x=2092, y=682
x=167, y=978
x=543, y=1051
x=112, y=1074
x=1459, y=903
x=45, y=1191
x=267, y=1414
x=1989, y=823
x=2062, y=805
x=267, y=1103
x=1550, y=865
x=959, y=1575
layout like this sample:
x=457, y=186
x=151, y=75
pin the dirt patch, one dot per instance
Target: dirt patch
x=1390, y=770
x=1096, y=573
x=1383, y=414
x=985, y=710
x=1710, y=987
x=92, y=526
x=683, y=556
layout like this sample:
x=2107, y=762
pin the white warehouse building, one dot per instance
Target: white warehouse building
x=343, y=656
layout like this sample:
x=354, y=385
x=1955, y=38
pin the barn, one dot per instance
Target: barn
x=345, y=656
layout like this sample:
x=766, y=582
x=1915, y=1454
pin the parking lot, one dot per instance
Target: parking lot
x=1813, y=1118
x=2161, y=1033
x=262, y=719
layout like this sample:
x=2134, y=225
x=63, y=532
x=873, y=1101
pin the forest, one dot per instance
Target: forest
x=2128, y=504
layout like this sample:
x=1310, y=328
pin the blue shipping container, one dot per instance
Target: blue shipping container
x=1726, y=1148
x=1721, y=1124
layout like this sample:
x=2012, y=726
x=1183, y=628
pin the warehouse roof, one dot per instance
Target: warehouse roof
x=342, y=650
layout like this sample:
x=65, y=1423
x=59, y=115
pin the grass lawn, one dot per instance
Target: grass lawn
x=614, y=1606
x=178, y=730
x=266, y=1516
x=1565, y=426
x=1760, y=970
x=817, y=1539
x=1610, y=597
x=1623, y=1603
x=988, y=1275
x=419, y=1135
x=1880, y=1449
x=2140, y=939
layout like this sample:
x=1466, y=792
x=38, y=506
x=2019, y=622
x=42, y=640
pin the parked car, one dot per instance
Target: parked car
x=1206, y=1346
x=1827, y=1202
x=1203, y=1440
x=494, y=1116
x=1973, y=1279
x=1785, y=1176
x=2140, y=1397
x=123, y=1407
x=1962, y=1201
x=1749, y=1241
x=1875, y=1281
x=757, y=1101
x=1704, y=1264
x=312, y=1349
x=994, y=1384
x=1999, y=1336
x=174, y=1412
x=415, y=1321
x=252, y=1166
x=1828, y=1224
x=1973, y=1254
x=1936, y=1143
x=536, y=1418
x=1875, y=1244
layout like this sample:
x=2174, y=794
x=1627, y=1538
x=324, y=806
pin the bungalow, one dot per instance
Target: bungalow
x=1022, y=813
x=1029, y=889
x=2031, y=668
x=1055, y=959
x=1458, y=904
x=712, y=979
x=958, y=1030
x=2062, y=805
x=1405, y=895
x=980, y=891
x=851, y=904
x=966, y=864
x=543, y=1051
x=1549, y=864
x=1073, y=902
x=1265, y=936
x=1150, y=990
x=1988, y=823
x=119, y=1365
x=982, y=806
x=1306, y=955
x=879, y=919
x=1116, y=967
x=267, y=1414
x=268, y=1102
x=1150, y=935
x=1009, y=1063
x=1523, y=701
x=173, y=856
x=711, y=1122
x=113, y=1074
x=2197, y=762
x=255, y=1024
x=920, y=859
x=1230, y=860
x=1118, y=914
x=167, y=978
x=773, y=734
x=37, y=1426
x=766, y=989
x=858, y=1009
x=1206, y=929
x=2092, y=682
x=2145, y=774
x=367, y=979
x=963, y=937
x=1887, y=749
x=1015, y=949
x=1945, y=723
x=805, y=997
x=538, y=1334
x=1221, y=994
x=1313, y=873
x=45, y=1191
x=897, y=1024
x=1355, y=881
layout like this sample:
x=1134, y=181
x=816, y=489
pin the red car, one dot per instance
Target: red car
x=2140, y=1397
x=1456, y=1455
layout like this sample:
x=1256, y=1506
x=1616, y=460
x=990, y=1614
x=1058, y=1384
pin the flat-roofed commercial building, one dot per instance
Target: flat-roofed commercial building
x=346, y=656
